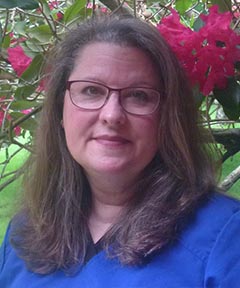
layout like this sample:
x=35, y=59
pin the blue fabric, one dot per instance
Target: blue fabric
x=206, y=255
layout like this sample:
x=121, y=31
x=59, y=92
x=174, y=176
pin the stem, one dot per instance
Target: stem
x=231, y=179
x=114, y=6
x=6, y=162
x=12, y=179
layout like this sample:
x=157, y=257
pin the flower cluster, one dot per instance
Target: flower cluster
x=18, y=59
x=209, y=54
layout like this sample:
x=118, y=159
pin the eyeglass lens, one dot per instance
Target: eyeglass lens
x=92, y=95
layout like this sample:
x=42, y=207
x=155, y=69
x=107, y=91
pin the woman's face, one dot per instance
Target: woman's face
x=109, y=140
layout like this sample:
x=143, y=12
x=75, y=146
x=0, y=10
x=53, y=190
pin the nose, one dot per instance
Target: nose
x=112, y=112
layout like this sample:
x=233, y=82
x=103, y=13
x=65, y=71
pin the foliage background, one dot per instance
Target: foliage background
x=29, y=29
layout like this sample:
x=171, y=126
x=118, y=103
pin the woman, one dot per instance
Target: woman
x=121, y=189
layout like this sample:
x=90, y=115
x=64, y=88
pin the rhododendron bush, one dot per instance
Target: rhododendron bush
x=210, y=54
x=205, y=38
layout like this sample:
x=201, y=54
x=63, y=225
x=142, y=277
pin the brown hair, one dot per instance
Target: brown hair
x=53, y=230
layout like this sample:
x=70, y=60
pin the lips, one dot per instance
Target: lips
x=111, y=140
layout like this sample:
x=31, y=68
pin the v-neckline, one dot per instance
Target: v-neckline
x=93, y=248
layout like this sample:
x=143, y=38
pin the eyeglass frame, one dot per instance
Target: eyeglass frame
x=110, y=89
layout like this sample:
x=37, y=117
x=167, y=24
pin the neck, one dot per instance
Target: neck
x=102, y=217
x=108, y=200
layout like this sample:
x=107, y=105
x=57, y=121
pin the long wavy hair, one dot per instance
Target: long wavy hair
x=50, y=232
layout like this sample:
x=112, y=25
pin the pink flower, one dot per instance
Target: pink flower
x=59, y=16
x=53, y=4
x=17, y=130
x=208, y=55
x=90, y=6
x=18, y=59
x=104, y=9
x=26, y=111
x=96, y=6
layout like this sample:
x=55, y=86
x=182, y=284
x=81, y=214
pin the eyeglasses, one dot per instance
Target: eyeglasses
x=92, y=95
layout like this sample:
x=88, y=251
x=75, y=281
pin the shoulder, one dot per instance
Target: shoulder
x=4, y=249
x=213, y=235
x=206, y=224
x=12, y=267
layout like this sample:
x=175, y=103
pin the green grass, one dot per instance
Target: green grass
x=8, y=204
x=8, y=196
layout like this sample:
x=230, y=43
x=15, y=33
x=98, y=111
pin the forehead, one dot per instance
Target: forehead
x=111, y=62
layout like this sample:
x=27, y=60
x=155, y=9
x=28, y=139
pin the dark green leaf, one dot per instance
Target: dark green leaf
x=5, y=89
x=45, y=7
x=23, y=104
x=23, y=4
x=198, y=24
x=198, y=96
x=1, y=34
x=73, y=11
x=229, y=98
x=33, y=71
x=224, y=5
x=16, y=115
x=30, y=124
x=24, y=92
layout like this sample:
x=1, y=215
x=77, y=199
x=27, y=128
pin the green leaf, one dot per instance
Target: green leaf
x=73, y=11
x=19, y=27
x=29, y=124
x=198, y=96
x=229, y=98
x=34, y=69
x=5, y=89
x=23, y=92
x=41, y=33
x=23, y=104
x=23, y=4
x=183, y=5
x=6, y=42
x=224, y=5
x=198, y=24
x=1, y=34
x=45, y=7
x=33, y=46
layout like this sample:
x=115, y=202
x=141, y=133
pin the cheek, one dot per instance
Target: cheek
x=72, y=116
x=148, y=133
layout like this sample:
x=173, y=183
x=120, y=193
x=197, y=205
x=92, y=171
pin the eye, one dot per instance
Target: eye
x=93, y=90
x=139, y=96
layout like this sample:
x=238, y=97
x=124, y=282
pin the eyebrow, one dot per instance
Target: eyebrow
x=136, y=84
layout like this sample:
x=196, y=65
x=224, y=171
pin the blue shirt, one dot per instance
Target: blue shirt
x=206, y=255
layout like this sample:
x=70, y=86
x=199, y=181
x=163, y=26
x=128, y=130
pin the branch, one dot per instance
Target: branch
x=17, y=122
x=230, y=139
x=12, y=179
x=231, y=179
x=114, y=6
